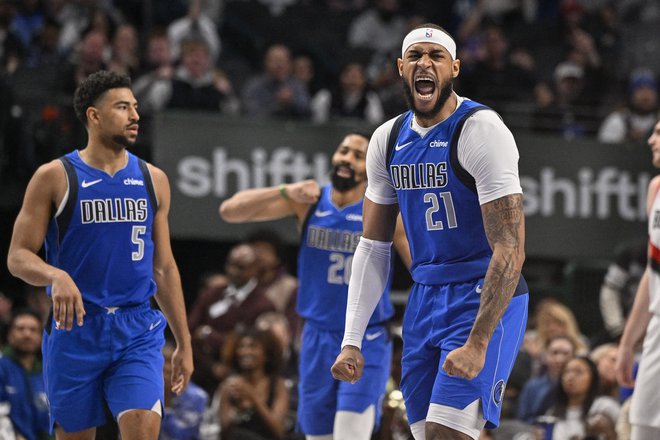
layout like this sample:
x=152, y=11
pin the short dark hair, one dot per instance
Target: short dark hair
x=93, y=87
x=23, y=311
x=357, y=132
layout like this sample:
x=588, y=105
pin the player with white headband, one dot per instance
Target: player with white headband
x=450, y=166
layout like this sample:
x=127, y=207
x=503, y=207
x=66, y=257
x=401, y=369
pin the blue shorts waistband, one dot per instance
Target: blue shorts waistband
x=95, y=309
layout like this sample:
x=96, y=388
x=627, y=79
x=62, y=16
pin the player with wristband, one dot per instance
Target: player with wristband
x=330, y=222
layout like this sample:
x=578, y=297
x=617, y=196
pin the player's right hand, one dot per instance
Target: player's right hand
x=624, y=367
x=67, y=302
x=306, y=191
x=349, y=365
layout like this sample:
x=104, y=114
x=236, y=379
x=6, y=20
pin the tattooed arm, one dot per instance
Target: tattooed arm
x=504, y=223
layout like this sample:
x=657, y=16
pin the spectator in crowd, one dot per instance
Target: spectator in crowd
x=537, y=390
x=6, y=307
x=11, y=47
x=21, y=381
x=352, y=98
x=577, y=400
x=279, y=286
x=152, y=88
x=79, y=18
x=552, y=319
x=196, y=85
x=124, y=58
x=604, y=356
x=304, y=70
x=278, y=324
x=379, y=28
x=276, y=92
x=44, y=51
x=496, y=79
x=28, y=21
x=194, y=25
x=566, y=113
x=218, y=312
x=617, y=293
x=183, y=413
x=90, y=58
x=635, y=121
x=254, y=400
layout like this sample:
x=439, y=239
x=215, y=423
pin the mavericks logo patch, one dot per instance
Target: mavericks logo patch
x=498, y=392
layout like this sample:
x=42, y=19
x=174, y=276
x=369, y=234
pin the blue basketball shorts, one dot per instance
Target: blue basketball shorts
x=438, y=319
x=321, y=396
x=114, y=357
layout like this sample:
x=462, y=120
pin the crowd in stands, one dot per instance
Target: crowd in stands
x=570, y=68
x=246, y=340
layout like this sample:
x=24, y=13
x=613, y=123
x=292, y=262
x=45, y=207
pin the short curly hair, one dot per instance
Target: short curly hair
x=93, y=87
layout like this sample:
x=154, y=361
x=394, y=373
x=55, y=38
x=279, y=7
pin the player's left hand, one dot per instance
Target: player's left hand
x=466, y=362
x=182, y=368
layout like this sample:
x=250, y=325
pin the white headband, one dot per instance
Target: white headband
x=429, y=35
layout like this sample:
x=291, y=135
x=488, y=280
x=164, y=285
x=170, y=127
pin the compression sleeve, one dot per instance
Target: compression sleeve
x=369, y=275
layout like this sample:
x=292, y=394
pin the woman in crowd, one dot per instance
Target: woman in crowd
x=254, y=401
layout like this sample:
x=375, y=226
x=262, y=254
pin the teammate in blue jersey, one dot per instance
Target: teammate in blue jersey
x=451, y=169
x=330, y=222
x=102, y=214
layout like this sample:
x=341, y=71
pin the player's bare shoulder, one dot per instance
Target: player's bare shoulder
x=50, y=180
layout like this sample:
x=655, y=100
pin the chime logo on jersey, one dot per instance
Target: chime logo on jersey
x=131, y=181
x=439, y=144
x=113, y=210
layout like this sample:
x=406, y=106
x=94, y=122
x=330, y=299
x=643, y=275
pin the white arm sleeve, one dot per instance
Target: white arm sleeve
x=488, y=151
x=369, y=275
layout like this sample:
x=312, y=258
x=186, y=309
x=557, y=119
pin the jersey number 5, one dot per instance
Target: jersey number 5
x=136, y=238
x=432, y=198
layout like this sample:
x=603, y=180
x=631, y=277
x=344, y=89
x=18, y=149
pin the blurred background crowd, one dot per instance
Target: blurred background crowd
x=573, y=69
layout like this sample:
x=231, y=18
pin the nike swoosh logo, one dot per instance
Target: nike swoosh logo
x=478, y=289
x=86, y=184
x=153, y=326
x=402, y=146
x=322, y=213
x=372, y=336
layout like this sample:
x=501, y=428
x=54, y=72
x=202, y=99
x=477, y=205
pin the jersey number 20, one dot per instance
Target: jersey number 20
x=339, y=271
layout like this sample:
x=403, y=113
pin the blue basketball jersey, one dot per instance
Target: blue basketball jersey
x=102, y=235
x=329, y=238
x=438, y=202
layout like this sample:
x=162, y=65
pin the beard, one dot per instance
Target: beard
x=123, y=140
x=340, y=183
x=445, y=93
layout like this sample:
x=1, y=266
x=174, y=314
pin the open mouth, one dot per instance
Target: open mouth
x=344, y=171
x=424, y=86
